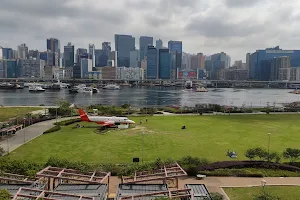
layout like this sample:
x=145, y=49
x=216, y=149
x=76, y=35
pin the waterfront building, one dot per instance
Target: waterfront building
x=76, y=70
x=280, y=68
x=53, y=45
x=134, y=58
x=98, y=54
x=3, y=70
x=257, y=60
x=145, y=41
x=92, y=53
x=164, y=64
x=63, y=73
x=103, y=55
x=216, y=66
x=175, y=48
x=12, y=70
x=186, y=60
x=159, y=44
x=187, y=74
x=23, y=51
x=86, y=66
x=32, y=68
x=109, y=73
x=123, y=45
x=69, y=55
x=236, y=73
x=130, y=73
x=295, y=74
x=96, y=75
x=248, y=62
x=152, y=65
x=48, y=72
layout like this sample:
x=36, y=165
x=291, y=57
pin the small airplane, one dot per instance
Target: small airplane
x=103, y=120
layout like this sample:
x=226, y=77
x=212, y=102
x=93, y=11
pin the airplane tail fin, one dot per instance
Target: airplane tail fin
x=83, y=115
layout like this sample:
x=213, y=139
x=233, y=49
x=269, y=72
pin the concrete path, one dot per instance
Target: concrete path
x=25, y=135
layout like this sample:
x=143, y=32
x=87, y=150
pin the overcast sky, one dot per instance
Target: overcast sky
x=209, y=26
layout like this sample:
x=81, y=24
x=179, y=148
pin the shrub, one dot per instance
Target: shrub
x=292, y=154
x=216, y=196
x=2, y=151
x=53, y=129
x=191, y=164
x=4, y=195
x=68, y=122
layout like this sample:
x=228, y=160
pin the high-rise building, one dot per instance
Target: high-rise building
x=123, y=45
x=7, y=53
x=280, y=68
x=69, y=55
x=248, y=62
x=79, y=53
x=50, y=58
x=164, y=64
x=218, y=63
x=186, y=60
x=134, y=58
x=152, y=65
x=32, y=67
x=34, y=53
x=175, y=48
x=23, y=51
x=53, y=45
x=98, y=54
x=106, y=48
x=104, y=55
x=92, y=53
x=159, y=44
x=145, y=41
x=257, y=60
x=201, y=60
x=86, y=65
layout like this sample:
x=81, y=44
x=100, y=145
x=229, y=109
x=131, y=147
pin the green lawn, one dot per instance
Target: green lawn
x=283, y=192
x=206, y=136
x=10, y=112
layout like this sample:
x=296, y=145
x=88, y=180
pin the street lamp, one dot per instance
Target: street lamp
x=269, y=136
x=24, y=130
x=128, y=108
x=146, y=107
x=143, y=133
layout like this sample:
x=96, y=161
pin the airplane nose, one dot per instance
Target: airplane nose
x=132, y=122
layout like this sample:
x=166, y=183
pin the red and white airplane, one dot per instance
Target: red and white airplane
x=105, y=121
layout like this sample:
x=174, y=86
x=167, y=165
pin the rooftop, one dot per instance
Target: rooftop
x=199, y=191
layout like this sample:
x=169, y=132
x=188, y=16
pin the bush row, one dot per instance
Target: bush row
x=53, y=129
x=68, y=122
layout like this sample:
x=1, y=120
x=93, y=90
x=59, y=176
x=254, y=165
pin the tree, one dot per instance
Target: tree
x=274, y=156
x=250, y=153
x=4, y=195
x=261, y=153
x=292, y=154
x=265, y=196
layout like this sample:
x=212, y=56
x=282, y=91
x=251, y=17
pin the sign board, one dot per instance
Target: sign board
x=136, y=160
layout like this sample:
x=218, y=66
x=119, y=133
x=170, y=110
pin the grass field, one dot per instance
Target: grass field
x=10, y=112
x=283, y=192
x=205, y=136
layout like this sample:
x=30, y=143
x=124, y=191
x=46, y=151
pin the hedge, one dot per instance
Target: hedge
x=68, y=122
x=248, y=164
x=53, y=129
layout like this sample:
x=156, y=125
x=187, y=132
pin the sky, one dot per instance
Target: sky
x=208, y=26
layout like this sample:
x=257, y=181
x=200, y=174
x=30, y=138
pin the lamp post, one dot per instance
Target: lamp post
x=56, y=114
x=269, y=136
x=263, y=183
x=143, y=147
x=146, y=107
x=128, y=108
x=24, y=130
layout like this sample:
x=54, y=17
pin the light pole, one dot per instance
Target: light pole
x=269, y=136
x=143, y=147
x=128, y=108
x=146, y=107
x=24, y=130
x=56, y=115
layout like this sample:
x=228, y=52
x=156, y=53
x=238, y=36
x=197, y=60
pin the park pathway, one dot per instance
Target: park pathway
x=27, y=134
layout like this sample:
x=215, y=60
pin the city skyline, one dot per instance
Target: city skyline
x=193, y=22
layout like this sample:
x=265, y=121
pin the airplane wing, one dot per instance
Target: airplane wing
x=107, y=123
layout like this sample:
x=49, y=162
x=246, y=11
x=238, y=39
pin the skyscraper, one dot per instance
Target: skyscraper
x=164, y=64
x=79, y=53
x=23, y=51
x=69, y=55
x=152, y=71
x=105, y=54
x=92, y=53
x=123, y=45
x=53, y=45
x=134, y=58
x=145, y=41
x=159, y=44
x=175, y=47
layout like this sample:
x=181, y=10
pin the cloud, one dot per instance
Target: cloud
x=233, y=26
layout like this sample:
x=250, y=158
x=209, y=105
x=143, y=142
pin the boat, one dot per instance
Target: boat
x=112, y=87
x=296, y=91
x=36, y=88
x=95, y=90
x=201, y=89
x=85, y=90
x=73, y=90
x=188, y=84
x=10, y=86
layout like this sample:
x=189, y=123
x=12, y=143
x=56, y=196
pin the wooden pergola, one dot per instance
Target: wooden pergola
x=57, y=175
x=35, y=194
x=172, y=194
x=168, y=172
x=9, y=178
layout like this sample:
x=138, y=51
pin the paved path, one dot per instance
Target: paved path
x=27, y=134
